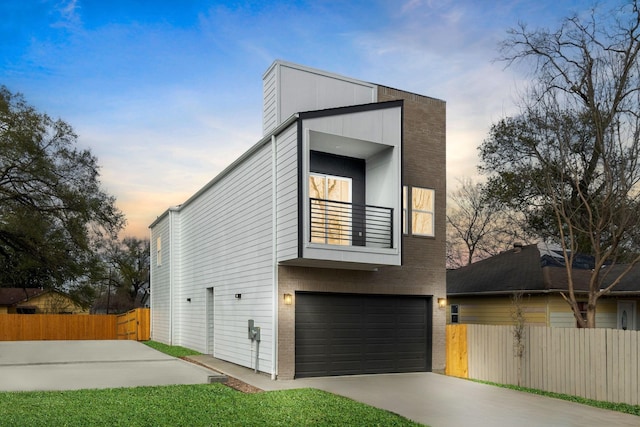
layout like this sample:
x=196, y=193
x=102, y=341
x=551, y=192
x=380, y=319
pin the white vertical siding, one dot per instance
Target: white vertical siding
x=161, y=282
x=226, y=241
x=287, y=194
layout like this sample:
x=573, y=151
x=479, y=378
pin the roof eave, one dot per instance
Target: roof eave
x=284, y=125
x=511, y=292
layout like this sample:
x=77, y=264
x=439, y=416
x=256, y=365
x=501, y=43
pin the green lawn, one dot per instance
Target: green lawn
x=171, y=350
x=190, y=405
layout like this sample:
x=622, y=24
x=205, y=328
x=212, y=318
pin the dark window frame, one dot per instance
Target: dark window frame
x=455, y=316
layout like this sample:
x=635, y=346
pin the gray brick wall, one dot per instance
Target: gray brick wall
x=423, y=271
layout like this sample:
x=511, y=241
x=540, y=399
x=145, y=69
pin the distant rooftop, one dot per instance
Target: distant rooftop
x=534, y=269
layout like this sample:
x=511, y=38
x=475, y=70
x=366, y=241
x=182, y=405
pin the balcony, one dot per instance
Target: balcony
x=349, y=189
x=348, y=224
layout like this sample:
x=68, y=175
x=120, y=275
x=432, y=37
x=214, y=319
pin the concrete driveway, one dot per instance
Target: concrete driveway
x=441, y=401
x=72, y=365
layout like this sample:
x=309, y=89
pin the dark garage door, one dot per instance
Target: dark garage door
x=345, y=334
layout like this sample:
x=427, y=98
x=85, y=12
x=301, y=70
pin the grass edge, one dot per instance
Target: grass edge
x=618, y=407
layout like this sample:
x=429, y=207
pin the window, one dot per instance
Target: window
x=455, y=313
x=405, y=210
x=330, y=209
x=159, y=251
x=421, y=211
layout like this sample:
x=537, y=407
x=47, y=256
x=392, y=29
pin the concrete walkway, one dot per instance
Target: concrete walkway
x=441, y=401
x=72, y=365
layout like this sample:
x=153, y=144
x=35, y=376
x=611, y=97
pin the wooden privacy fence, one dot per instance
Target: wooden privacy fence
x=133, y=325
x=37, y=327
x=600, y=364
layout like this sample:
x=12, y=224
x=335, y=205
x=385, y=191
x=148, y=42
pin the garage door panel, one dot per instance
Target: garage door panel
x=410, y=318
x=348, y=334
x=380, y=320
x=345, y=357
x=343, y=334
x=410, y=334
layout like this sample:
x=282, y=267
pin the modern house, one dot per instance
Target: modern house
x=482, y=292
x=321, y=250
x=37, y=301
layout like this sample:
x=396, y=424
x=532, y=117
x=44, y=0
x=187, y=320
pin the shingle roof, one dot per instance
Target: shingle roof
x=532, y=269
x=12, y=296
x=514, y=270
x=629, y=283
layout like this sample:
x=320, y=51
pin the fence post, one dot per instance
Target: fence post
x=456, y=351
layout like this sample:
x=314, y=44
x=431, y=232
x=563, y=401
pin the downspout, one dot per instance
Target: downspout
x=151, y=273
x=171, y=278
x=274, y=255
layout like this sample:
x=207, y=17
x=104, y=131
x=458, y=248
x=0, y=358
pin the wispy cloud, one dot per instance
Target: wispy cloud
x=69, y=14
x=410, y=5
x=167, y=94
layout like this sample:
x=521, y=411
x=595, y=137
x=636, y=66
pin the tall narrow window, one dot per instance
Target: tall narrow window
x=159, y=251
x=418, y=208
x=330, y=209
x=422, y=211
x=405, y=209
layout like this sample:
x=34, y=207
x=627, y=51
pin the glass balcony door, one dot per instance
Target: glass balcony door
x=330, y=209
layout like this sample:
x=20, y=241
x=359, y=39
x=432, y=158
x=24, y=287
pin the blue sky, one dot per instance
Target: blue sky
x=167, y=93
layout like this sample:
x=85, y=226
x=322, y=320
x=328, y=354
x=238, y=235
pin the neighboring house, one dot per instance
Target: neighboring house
x=36, y=301
x=483, y=292
x=328, y=235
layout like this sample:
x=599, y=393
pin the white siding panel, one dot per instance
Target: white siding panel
x=562, y=320
x=380, y=126
x=226, y=241
x=161, y=283
x=304, y=89
x=606, y=320
x=290, y=88
x=568, y=320
x=287, y=194
x=269, y=103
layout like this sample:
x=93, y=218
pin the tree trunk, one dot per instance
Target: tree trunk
x=591, y=313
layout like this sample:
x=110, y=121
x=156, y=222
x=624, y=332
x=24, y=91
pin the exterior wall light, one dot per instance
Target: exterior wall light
x=288, y=299
x=238, y=296
x=442, y=302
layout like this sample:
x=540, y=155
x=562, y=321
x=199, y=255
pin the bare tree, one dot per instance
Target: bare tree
x=129, y=266
x=477, y=227
x=570, y=160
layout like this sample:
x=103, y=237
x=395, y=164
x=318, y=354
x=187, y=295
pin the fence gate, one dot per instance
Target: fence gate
x=133, y=325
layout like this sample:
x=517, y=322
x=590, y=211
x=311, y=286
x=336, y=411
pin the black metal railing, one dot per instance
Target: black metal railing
x=341, y=223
